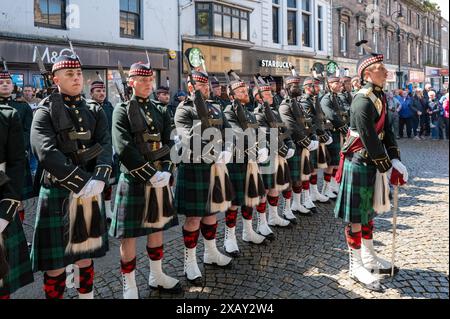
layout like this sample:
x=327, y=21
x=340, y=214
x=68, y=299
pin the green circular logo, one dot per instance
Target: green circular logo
x=195, y=57
x=332, y=67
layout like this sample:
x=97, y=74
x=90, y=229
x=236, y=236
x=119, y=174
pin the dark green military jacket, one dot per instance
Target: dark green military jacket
x=311, y=107
x=109, y=109
x=185, y=117
x=299, y=133
x=218, y=100
x=239, y=126
x=346, y=99
x=277, y=99
x=334, y=112
x=124, y=140
x=26, y=117
x=380, y=148
x=167, y=108
x=86, y=115
x=264, y=123
x=12, y=160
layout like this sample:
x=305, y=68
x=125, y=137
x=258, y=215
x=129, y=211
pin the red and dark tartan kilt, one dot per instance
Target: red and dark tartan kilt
x=18, y=257
x=334, y=149
x=354, y=203
x=128, y=210
x=192, y=190
x=49, y=243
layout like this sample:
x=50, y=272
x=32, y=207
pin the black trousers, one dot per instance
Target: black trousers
x=409, y=127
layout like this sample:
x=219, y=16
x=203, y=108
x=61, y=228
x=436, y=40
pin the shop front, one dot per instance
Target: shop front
x=249, y=62
x=444, y=75
x=392, y=80
x=97, y=59
x=433, y=76
x=416, y=78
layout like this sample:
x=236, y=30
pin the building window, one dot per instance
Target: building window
x=409, y=52
x=50, y=13
x=130, y=18
x=361, y=36
x=388, y=46
x=292, y=22
x=221, y=21
x=444, y=57
x=320, y=28
x=408, y=17
x=418, y=54
x=276, y=21
x=375, y=40
x=418, y=21
x=306, y=22
x=388, y=7
x=343, y=37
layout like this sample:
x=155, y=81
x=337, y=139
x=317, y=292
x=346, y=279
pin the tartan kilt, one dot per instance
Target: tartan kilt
x=128, y=207
x=20, y=273
x=335, y=149
x=354, y=203
x=27, y=190
x=48, y=251
x=268, y=179
x=238, y=174
x=294, y=165
x=192, y=190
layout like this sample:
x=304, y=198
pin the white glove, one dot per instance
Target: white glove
x=3, y=224
x=330, y=140
x=224, y=157
x=290, y=153
x=314, y=145
x=263, y=155
x=93, y=188
x=160, y=179
x=401, y=169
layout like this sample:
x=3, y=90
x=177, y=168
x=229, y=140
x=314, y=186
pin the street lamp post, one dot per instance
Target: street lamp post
x=399, y=16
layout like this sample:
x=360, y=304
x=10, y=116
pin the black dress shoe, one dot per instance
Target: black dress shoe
x=175, y=290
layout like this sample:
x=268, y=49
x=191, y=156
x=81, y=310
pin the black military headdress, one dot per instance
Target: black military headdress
x=294, y=78
x=235, y=81
x=311, y=81
x=162, y=89
x=97, y=85
x=4, y=72
x=140, y=69
x=333, y=79
x=368, y=59
x=214, y=82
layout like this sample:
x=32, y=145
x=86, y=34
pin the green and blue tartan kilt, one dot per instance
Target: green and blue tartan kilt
x=335, y=149
x=115, y=174
x=128, y=207
x=48, y=251
x=238, y=174
x=27, y=190
x=294, y=165
x=354, y=203
x=20, y=273
x=192, y=190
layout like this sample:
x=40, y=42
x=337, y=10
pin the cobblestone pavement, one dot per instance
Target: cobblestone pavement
x=310, y=259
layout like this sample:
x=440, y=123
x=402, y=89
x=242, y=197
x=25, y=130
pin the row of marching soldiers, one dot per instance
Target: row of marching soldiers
x=70, y=138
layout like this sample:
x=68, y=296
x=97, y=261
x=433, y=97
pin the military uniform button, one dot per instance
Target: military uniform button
x=81, y=129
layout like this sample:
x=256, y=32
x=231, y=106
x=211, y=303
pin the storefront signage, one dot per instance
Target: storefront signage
x=275, y=64
x=432, y=72
x=392, y=77
x=416, y=76
x=49, y=56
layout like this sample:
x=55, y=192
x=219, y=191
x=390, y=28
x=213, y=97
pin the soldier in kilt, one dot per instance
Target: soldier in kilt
x=244, y=170
x=368, y=154
x=143, y=205
x=15, y=266
x=98, y=94
x=71, y=140
x=203, y=187
x=345, y=96
x=216, y=94
x=335, y=114
x=319, y=157
x=26, y=116
x=276, y=175
x=292, y=113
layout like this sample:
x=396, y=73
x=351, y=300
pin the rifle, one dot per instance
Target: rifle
x=122, y=98
x=48, y=83
x=126, y=88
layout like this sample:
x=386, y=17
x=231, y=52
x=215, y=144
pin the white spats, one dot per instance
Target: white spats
x=297, y=206
x=86, y=296
x=230, y=242
x=287, y=211
x=316, y=196
x=327, y=191
x=372, y=262
x=130, y=290
x=158, y=279
x=361, y=274
x=275, y=219
x=263, y=227
x=191, y=269
x=212, y=256
x=249, y=235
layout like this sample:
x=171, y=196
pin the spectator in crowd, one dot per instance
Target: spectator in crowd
x=30, y=98
x=428, y=88
x=405, y=115
x=417, y=110
x=441, y=123
x=434, y=111
x=180, y=97
x=393, y=108
x=421, y=105
x=445, y=106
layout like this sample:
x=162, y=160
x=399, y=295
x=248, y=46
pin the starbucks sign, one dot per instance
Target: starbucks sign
x=275, y=64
